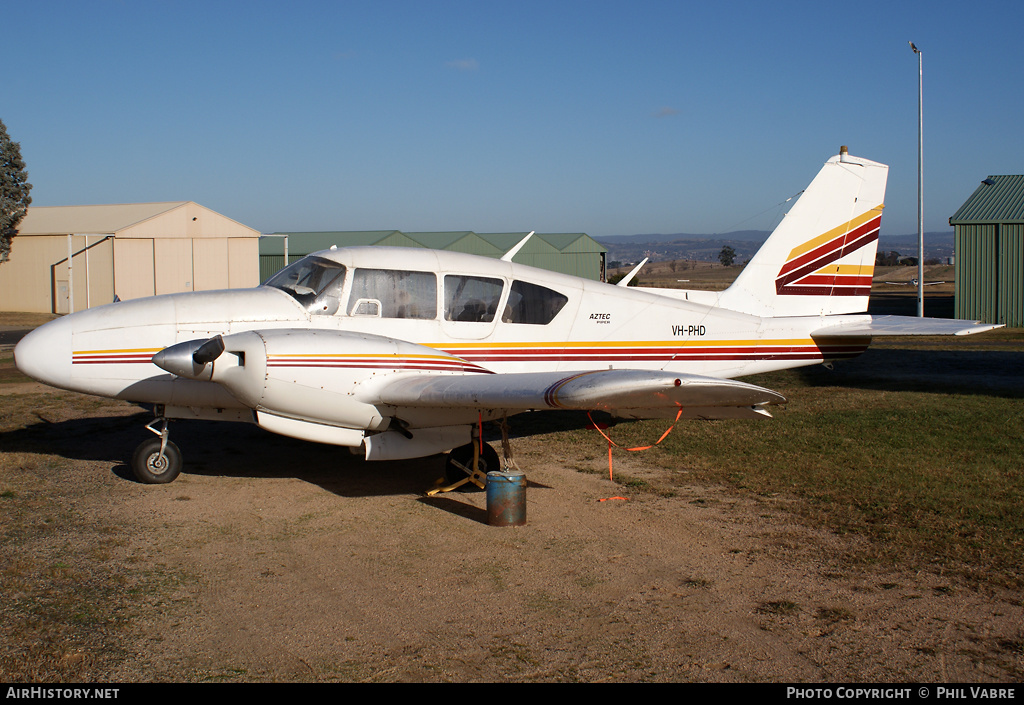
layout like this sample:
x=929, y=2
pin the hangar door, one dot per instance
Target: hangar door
x=173, y=265
x=133, y=268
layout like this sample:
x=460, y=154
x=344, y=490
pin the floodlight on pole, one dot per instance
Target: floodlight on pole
x=920, y=181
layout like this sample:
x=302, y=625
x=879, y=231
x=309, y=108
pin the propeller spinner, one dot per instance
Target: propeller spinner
x=191, y=358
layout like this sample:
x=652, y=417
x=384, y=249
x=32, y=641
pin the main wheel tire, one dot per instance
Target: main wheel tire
x=150, y=468
x=463, y=455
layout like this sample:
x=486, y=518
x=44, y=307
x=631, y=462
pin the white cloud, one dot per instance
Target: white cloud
x=464, y=64
x=665, y=112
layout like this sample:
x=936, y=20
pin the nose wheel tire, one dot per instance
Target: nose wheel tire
x=152, y=468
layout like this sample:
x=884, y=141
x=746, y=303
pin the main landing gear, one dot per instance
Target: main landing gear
x=460, y=462
x=157, y=461
x=468, y=464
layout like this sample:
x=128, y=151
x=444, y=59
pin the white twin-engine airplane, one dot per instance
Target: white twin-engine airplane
x=401, y=353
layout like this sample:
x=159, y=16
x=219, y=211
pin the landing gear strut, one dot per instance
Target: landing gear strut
x=157, y=461
x=468, y=464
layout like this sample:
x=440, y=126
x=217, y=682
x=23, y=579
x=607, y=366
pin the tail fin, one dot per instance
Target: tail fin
x=821, y=257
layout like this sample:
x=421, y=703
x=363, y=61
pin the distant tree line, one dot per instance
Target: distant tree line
x=893, y=259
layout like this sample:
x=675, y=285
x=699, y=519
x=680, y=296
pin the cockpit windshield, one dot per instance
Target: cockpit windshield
x=314, y=282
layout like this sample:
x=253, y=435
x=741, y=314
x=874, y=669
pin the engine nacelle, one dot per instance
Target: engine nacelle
x=311, y=375
x=392, y=445
x=306, y=383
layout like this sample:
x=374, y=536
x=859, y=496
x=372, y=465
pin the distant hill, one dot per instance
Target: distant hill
x=705, y=248
x=758, y=236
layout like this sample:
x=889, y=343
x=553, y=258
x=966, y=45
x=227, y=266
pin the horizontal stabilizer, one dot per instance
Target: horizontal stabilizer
x=605, y=390
x=861, y=326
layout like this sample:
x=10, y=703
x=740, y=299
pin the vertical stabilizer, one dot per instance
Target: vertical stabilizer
x=821, y=258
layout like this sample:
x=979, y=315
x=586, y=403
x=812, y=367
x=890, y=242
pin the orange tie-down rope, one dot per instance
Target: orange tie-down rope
x=632, y=450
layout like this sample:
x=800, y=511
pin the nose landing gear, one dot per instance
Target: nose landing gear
x=157, y=461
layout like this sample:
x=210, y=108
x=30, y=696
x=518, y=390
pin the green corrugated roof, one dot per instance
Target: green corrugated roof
x=439, y=240
x=572, y=253
x=305, y=242
x=462, y=241
x=573, y=242
x=503, y=241
x=999, y=199
x=506, y=241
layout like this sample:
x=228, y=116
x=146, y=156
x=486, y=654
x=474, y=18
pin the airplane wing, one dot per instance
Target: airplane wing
x=631, y=393
x=860, y=326
x=343, y=379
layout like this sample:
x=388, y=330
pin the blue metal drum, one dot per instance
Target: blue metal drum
x=506, y=498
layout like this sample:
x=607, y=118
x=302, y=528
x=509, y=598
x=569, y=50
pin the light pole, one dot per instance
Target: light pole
x=920, y=182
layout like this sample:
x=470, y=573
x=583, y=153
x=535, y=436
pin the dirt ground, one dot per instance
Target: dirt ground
x=275, y=560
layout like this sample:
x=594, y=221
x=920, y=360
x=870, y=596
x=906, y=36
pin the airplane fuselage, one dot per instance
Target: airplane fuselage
x=452, y=312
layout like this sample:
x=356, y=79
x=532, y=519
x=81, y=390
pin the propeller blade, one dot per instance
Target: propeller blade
x=209, y=351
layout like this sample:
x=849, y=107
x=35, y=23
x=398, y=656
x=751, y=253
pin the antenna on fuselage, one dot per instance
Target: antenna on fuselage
x=507, y=257
x=629, y=277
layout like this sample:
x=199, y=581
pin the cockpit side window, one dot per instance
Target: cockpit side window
x=532, y=304
x=314, y=282
x=396, y=293
x=473, y=299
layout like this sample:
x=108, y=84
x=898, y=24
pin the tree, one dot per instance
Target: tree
x=887, y=260
x=14, y=188
x=727, y=256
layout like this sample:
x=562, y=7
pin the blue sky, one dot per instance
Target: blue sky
x=558, y=116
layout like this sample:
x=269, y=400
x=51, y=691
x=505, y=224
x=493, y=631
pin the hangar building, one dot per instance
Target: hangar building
x=68, y=258
x=989, y=238
x=570, y=253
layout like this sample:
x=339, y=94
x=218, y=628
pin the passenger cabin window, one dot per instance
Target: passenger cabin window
x=473, y=299
x=532, y=304
x=392, y=293
x=313, y=282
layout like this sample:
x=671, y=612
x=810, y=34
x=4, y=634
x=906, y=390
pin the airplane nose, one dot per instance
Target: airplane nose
x=45, y=353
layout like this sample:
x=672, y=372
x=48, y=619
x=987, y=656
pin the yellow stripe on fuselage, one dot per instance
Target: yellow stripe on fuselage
x=117, y=352
x=349, y=356
x=624, y=344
